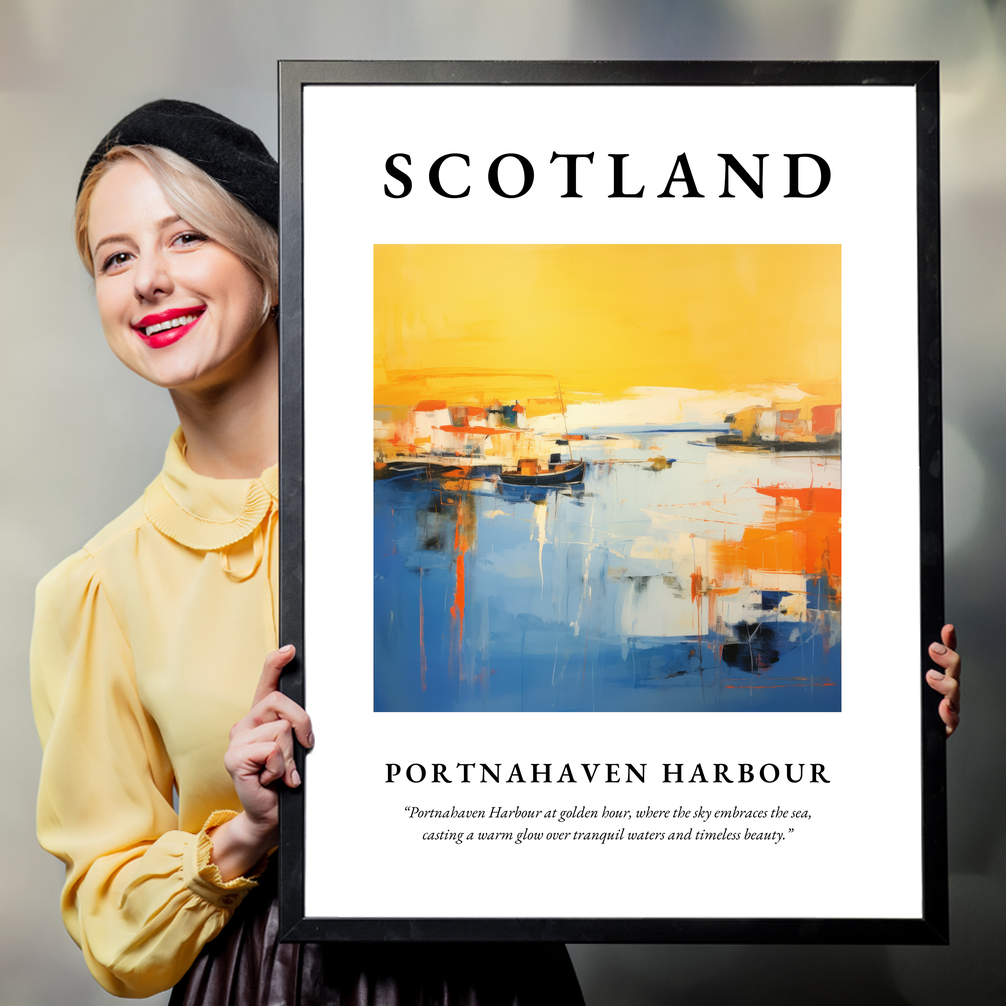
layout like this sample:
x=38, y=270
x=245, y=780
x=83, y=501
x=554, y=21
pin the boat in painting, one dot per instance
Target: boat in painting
x=557, y=475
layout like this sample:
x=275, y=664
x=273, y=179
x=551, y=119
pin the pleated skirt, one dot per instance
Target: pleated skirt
x=246, y=965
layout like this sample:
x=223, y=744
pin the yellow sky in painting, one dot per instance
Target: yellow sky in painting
x=469, y=323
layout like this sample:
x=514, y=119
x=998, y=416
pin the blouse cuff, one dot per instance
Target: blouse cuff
x=202, y=876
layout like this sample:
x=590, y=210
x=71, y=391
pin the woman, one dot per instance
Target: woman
x=149, y=642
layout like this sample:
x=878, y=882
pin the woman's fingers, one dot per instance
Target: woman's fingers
x=274, y=766
x=949, y=636
x=260, y=761
x=270, y=703
x=271, y=671
x=949, y=711
x=278, y=735
x=277, y=706
x=949, y=688
x=947, y=680
x=261, y=749
x=945, y=655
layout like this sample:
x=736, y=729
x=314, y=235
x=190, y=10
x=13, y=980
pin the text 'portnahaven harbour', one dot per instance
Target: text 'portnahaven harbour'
x=606, y=772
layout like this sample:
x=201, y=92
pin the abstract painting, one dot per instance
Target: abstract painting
x=607, y=478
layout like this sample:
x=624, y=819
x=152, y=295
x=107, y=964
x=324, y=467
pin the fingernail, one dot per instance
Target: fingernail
x=310, y=740
x=295, y=777
x=936, y=675
x=287, y=649
x=938, y=648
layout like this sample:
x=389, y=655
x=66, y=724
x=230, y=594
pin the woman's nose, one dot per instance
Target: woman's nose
x=152, y=277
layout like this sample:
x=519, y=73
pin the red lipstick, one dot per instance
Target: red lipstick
x=166, y=327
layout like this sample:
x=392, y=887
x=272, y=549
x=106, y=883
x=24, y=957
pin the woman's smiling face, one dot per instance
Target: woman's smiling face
x=177, y=308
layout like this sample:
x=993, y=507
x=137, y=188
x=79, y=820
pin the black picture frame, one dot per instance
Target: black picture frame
x=931, y=927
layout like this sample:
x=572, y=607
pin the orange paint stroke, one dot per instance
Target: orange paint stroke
x=463, y=534
x=697, y=598
x=696, y=582
x=817, y=500
x=458, y=607
x=810, y=545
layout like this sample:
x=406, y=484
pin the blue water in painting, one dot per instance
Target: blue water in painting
x=581, y=598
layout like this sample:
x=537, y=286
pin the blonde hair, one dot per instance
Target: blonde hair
x=199, y=200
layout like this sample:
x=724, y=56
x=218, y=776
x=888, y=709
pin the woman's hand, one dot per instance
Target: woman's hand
x=947, y=682
x=260, y=753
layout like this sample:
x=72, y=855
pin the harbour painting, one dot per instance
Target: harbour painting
x=607, y=478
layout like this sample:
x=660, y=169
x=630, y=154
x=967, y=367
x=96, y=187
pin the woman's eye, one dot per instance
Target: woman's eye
x=190, y=238
x=114, y=261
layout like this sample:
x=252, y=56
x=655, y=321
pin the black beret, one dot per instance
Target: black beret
x=230, y=154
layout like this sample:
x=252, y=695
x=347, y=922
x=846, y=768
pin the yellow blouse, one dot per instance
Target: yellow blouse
x=147, y=647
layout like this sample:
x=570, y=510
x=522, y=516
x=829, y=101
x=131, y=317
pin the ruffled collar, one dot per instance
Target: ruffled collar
x=203, y=513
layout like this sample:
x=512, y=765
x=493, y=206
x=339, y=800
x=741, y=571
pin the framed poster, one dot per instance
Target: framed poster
x=588, y=370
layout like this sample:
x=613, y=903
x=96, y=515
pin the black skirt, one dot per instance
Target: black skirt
x=246, y=965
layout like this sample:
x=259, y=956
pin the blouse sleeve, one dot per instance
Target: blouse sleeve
x=141, y=898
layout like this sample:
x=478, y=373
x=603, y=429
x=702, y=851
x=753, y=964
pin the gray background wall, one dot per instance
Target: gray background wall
x=81, y=436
